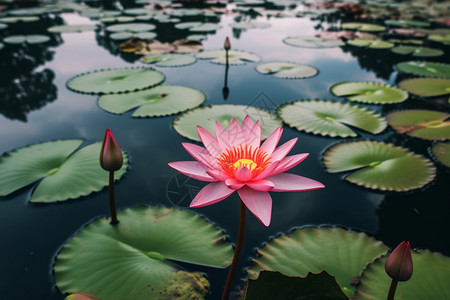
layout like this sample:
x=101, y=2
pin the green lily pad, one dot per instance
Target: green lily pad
x=417, y=51
x=441, y=152
x=99, y=13
x=424, y=68
x=287, y=70
x=311, y=42
x=198, y=26
x=369, y=92
x=169, y=60
x=380, y=166
x=196, y=37
x=115, y=80
x=363, y=27
x=274, y=285
x=81, y=296
x=25, y=19
x=131, y=27
x=1, y=46
x=139, y=11
x=250, y=25
x=342, y=253
x=30, y=39
x=128, y=35
x=62, y=173
x=72, y=28
x=329, y=118
x=426, y=87
x=118, y=19
x=424, y=124
x=407, y=23
x=3, y=26
x=186, y=123
x=138, y=253
x=440, y=38
x=154, y=102
x=372, y=44
x=32, y=11
x=427, y=282
x=234, y=57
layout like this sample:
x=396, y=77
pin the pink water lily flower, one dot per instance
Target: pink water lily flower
x=234, y=159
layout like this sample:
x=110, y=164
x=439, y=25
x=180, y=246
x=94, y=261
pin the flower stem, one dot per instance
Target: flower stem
x=392, y=289
x=237, y=253
x=112, y=205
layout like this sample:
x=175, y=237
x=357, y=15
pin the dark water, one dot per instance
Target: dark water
x=35, y=106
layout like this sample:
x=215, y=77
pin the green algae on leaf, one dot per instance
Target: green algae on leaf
x=379, y=166
x=287, y=70
x=235, y=57
x=169, y=60
x=312, y=42
x=369, y=92
x=424, y=68
x=426, y=87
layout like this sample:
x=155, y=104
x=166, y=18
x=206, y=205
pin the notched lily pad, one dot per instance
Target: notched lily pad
x=441, y=152
x=312, y=42
x=26, y=39
x=424, y=68
x=115, y=80
x=169, y=60
x=417, y=51
x=363, y=27
x=426, y=87
x=235, y=57
x=154, y=102
x=139, y=252
x=380, y=166
x=62, y=173
x=330, y=118
x=287, y=70
x=369, y=92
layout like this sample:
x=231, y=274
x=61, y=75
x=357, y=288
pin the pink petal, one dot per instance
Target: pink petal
x=268, y=171
x=254, y=136
x=193, y=169
x=289, y=162
x=234, y=184
x=209, y=141
x=259, y=203
x=261, y=185
x=210, y=194
x=235, y=133
x=217, y=174
x=243, y=174
x=283, y=150
x=222, y=136
x=247, y=125
x=200, y=154
x=271, y=142
x=286, y=182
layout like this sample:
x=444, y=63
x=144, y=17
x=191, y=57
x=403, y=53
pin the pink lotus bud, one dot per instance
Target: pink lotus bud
x=399, y=265
x=227, y=45
x=110, y=156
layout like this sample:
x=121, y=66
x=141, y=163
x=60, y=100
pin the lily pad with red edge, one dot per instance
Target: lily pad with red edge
x=115, y=80
x=159, y=101
x=441, y=152
x=26, y=39
x=426, y=87
x=417, y=51
x=81, y=296
x=235, y=57
x=58, y=170
x=424, y=68
x=205, y=116
x=366, y=27
x=372, y=44
x=168, y=60
x=312, y=42
x=141, y=253
x=369, y=92
x=330, y=118
x=274, y=285
x=424, y=124
x=379, y=166
x=287, y=70
x=341, y=253
x=429, y=280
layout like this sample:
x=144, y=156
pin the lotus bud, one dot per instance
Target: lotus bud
x=110, y=156
x=399, y=265
x=227, y=45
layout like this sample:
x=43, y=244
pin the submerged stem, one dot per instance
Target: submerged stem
x=112, y=205
x=392, y=289
x=237, y=253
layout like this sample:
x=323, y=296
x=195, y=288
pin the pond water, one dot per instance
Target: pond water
x=36, y=106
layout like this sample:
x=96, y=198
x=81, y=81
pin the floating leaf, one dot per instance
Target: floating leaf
x=275, y=285
x=131, y=27
x=342, y=253
x=98, y=13
x=198, y=26
x=287, y=70
x=427, y=282
x=379, y=166
x=372, y=44
x=250, y=25
x=129, y=35
x=169, y=60
x=311, y=42
x=407, y=23
x=441, y=152
x=72, y=28
x=363, y=27
x=115, y=80
x=234, y=57
x=417, y=51
x=1, y=46
x=424, y=68
x=149, y=47
x=3, y=26
x=25, y=19
x=440, y=38
x=154, y=102
x=138, y=253
x=81, y=296
x=119, y=19
x=330, y=118
x=30, y=39
x=63, y=173
x=426, y=87
x=369, y=92
x=424, y=124
x=186, y=123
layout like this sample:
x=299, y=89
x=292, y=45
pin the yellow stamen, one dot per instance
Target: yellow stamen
x=244, y=162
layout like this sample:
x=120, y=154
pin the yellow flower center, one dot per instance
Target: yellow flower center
x=245, y=162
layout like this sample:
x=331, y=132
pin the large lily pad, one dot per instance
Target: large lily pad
x=311, y=42
x=287, y=70
x=372, y=44
x=29, y=39
x=424, y=124
x=426, y=87
x=330, y=118
x=407, y=23
x=427, y=282
x=341, y=253
x=72, y=28
x=169, y=60
x=154, y=102
x=424, y=68
x=131, y=27
x=417, y=51
x=62, y=173
x=186, y=123
x=115, y=80
x=441, y=152
x=138, y=253
x=235, y=57
x=369, y=92
x=363, y=27
x=380, y=166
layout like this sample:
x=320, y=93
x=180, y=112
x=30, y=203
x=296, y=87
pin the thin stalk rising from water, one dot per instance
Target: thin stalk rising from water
x=112, y=204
